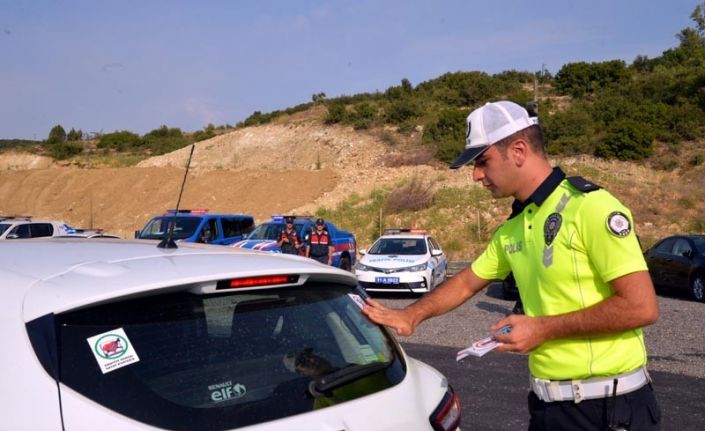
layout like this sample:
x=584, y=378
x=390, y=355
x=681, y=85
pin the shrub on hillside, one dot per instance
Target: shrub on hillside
x=65, y=150
x=410, y=156
x=415, y=195
x=336, y=113
x=121, y=141
x=569, y=131
x=164, y=140
x=446, y=134
x=361, y=116
x=626, y=140
x=579, y=79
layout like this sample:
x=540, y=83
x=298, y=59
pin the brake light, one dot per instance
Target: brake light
x=263, y=280
x=446, y=417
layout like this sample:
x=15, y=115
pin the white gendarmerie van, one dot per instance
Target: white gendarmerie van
x=122, y=335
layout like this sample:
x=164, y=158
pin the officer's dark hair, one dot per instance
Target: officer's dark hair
x=532, y=134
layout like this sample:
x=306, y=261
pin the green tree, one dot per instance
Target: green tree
x=318, y=97
x=74, y=135
x=57, y=135
x=579, y=79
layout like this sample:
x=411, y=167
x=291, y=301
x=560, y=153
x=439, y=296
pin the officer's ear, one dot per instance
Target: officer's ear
x=519, y=151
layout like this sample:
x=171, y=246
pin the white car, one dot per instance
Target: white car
x=402, y=260
x=20, y=227
x=123, y=335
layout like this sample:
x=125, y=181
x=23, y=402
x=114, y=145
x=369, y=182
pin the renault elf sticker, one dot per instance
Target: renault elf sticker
x=112, y=350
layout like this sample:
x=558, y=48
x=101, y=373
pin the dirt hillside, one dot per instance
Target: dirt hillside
x=296, y=165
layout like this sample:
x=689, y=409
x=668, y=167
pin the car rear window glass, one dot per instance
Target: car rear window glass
x=41, y=230
x=665, y=246
x=158, y=227
x=399, y=246
x=214, y=362
x=699, y=243
x=236, y=226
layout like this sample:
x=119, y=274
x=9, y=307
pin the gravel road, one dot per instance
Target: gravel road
x=492, y=389
x=676, y=343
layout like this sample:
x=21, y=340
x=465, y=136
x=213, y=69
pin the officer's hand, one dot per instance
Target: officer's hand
x=399, y=320
x=526, y=334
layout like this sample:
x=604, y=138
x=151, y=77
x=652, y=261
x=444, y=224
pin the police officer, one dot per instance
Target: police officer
x=581, y=276
x=319, y=245
x=288, y=239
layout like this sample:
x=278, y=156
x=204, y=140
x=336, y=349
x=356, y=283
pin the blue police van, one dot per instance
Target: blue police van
x=198, y=225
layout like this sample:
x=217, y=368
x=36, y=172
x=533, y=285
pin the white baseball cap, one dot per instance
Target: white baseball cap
x=490, y=124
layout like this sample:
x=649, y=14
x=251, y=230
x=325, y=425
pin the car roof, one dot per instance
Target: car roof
x=59, y=274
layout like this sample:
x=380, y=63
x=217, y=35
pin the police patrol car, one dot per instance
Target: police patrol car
x=407, y=260
x=24, y=227
x=123, y=335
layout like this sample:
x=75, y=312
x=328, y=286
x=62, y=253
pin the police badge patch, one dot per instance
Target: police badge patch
x=618, y=223
x=551, y=227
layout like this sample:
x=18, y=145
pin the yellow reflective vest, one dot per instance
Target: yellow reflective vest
x=564, y=245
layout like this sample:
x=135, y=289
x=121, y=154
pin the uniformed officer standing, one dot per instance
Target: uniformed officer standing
x=288, y=238
x=582, y=278
x=319, y=245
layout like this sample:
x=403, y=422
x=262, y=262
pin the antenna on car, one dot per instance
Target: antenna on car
x=168, y=242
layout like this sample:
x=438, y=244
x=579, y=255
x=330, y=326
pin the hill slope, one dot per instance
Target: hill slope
x=300, y=165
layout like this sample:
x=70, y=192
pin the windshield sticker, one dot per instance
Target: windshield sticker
x=112, y=350
x=226, y=391
x=358, y=300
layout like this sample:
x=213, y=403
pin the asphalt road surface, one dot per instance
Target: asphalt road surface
x=493, y=389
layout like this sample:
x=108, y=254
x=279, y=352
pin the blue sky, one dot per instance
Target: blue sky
x=135, y=65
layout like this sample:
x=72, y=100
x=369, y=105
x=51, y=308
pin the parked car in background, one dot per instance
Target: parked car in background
x=402, y=260
x=25, y=227
x=265, y=236
x=198, y=225
x=678, y=262
x=123, y=335
x=88, y=233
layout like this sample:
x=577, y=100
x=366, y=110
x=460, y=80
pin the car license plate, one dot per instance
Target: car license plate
x=387, y=280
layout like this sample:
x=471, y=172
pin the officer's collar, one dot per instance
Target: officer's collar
x=541, y=193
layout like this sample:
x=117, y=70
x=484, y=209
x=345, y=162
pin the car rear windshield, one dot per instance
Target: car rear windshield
x=399, y=246
x=226, y=361
x=158, y=227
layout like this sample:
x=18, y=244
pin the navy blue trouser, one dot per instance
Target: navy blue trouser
x=634, y=411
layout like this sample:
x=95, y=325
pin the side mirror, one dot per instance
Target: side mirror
x=12, y=236
x=436, y=252
x=363, y=251
x=137, y=234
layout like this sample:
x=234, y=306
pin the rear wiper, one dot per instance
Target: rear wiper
x=325, y=384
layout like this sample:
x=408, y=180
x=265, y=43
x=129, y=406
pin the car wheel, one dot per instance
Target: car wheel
x=345, y=264
x=697, y=287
